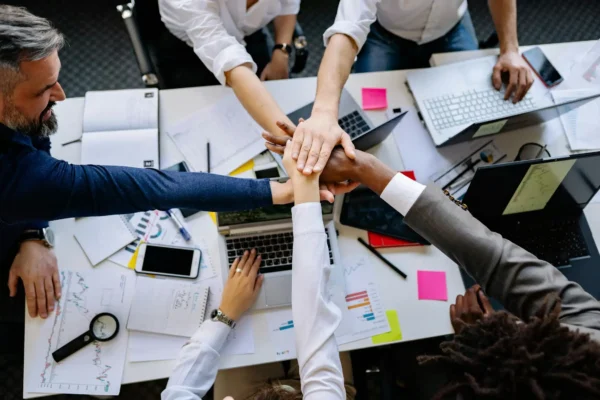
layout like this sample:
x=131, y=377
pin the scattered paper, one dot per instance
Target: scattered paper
x=432, y=285
x=281, y=333
x=579, y=121
x=392, y=336
x=234, y=136
x=374, y=98
x=97, y=369
x=363, y=307
x=585, y=74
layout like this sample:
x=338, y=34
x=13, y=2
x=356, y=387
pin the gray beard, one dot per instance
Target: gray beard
x=32, y=129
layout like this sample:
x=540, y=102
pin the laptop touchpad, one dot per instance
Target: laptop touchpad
x=278, y=290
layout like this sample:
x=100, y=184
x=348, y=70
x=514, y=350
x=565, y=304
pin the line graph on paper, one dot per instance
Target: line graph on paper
x=98, y=367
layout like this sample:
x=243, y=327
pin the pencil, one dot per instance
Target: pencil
x=208, y=157
x=382, y=258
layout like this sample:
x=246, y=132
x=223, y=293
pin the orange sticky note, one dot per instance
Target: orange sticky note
x=374, y=98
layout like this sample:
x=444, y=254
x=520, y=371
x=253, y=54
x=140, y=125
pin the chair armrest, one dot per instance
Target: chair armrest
x=141, y=53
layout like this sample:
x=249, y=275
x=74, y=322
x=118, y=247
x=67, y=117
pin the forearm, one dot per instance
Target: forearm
x=333, y=73
x=504, y=14
x=284, y=28
x=255, y=98
x=85, y=190
x=371, y=172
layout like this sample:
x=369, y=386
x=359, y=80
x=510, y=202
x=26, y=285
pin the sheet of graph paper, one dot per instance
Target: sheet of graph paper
x=97, y=369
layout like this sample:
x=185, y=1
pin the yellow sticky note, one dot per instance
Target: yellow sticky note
x=133, y=261
x=392, y=336
x=240, y=170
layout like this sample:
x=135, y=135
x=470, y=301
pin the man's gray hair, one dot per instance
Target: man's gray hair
x=25, y=37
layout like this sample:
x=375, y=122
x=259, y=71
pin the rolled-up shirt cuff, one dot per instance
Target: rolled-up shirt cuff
x=401, y=193
x=212, y=333
x=291, y=9
x=307, y=218
x=347, y=28
x=229, y=58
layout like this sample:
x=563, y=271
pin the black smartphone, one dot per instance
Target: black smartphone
x=543, y=67
x=182, y=167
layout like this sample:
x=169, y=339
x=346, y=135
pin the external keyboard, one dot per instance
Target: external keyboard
x=353, y=124
x=555, y=241
x=275, y=249
x=473, y=106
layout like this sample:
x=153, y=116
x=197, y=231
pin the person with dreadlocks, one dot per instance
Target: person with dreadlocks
x=546, y=345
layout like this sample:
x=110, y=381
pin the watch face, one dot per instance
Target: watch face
x=214, y=314
x=49, y=236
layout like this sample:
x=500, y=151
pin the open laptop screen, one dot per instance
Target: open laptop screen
x=264, y=214
x=560, y=185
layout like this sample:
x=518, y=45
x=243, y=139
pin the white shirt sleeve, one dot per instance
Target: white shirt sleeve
x=315, y=317
x=197, y=363
x=199, y=23
x=402, y=192
x=354, y=18
x=290, y=7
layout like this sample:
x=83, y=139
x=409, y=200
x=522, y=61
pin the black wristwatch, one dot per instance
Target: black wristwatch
x=218, y=316
x=45, y=235
x=283, y=46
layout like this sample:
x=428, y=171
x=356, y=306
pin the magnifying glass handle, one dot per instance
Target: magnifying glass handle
x=74, y=345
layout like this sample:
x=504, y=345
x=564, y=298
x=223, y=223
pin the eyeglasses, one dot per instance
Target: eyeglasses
x=532, y=151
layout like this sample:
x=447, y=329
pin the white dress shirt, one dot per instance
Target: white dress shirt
x=421, y=21
x=315, y=317
x=216, y=28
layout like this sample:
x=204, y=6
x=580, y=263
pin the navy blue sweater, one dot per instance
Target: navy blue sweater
x=36, y=188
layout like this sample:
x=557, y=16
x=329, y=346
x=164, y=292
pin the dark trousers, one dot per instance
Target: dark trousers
x=180, y=67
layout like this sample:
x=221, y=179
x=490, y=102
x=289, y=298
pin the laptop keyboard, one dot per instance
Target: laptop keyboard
x=275, y=249
x=554, y=241
x=473, y=106
x=354, y=124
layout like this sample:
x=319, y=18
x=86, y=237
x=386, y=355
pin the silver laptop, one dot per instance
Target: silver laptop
x=269, y=231
x=458, y=102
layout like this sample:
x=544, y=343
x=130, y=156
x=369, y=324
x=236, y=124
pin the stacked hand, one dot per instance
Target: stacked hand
x=36, y=266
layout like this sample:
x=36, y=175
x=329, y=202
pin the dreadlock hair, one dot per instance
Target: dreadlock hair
x=501, y=358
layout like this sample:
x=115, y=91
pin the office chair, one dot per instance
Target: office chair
x=145, y=29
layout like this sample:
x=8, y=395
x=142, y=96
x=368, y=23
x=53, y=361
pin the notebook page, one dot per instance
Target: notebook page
x=132, y=148
x=101, y=237
x=112, y=110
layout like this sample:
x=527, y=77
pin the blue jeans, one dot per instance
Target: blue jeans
x=384, y=51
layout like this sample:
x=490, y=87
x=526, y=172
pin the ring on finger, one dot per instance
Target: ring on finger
x=238, y=270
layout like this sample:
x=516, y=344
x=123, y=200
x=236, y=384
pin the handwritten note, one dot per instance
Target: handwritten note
x=374, y=98
x=538, y=186
x=432, y=285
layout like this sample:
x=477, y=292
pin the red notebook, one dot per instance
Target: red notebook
x=378, y=241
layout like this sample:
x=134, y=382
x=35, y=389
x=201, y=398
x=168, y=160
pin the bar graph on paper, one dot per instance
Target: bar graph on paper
x=98, y=368
x=281, y=331
x=364, y=307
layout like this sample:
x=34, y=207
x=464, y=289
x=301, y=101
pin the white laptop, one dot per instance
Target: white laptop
x=459, y=103
x=269, y=230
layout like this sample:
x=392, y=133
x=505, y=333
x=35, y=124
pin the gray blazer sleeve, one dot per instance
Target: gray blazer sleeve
x=517, y=278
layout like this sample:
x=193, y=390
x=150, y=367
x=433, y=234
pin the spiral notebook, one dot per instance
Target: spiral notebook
x=101, y=237
x=167, y=306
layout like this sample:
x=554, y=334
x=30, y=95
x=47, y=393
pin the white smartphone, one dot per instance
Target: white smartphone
x=179, y=262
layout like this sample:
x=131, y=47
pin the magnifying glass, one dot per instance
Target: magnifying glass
x=103, y=328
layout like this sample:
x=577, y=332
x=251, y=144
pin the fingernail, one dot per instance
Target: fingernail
x=43, y=316
x=295, y=155
x=307, y=171
x=317, y=169
x=253, y=251
x=51, y=308
x=300, y=165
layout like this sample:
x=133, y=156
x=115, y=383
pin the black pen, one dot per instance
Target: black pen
x=382, y=258
x=208, y=157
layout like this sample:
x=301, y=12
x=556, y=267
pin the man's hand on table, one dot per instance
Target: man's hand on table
x=314, y=140
x=36, y=266
x=520, y=77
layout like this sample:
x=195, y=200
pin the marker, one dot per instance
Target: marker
x=382, y=258
x=186, y=235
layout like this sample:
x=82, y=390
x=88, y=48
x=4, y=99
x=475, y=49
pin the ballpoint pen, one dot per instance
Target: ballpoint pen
x=186, y=235
x=382, y=258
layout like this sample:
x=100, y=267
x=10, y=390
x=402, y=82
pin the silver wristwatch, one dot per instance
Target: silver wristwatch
x=218, y=315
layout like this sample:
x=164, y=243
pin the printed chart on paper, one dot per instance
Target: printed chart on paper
x=97, y=369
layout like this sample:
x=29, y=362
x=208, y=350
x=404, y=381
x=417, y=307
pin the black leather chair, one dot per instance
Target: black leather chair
x=146, y=31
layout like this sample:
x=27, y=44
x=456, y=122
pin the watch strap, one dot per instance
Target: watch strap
x=284, y=47
x=32, y=234
x=220, y=316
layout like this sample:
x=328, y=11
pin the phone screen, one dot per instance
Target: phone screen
x=543, y=67
x=168, y=260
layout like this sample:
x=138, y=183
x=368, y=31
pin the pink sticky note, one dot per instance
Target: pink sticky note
x=432, y=285
x=374, y=98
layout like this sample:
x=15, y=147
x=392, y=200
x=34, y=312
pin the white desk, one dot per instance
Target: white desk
x=418, y=319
